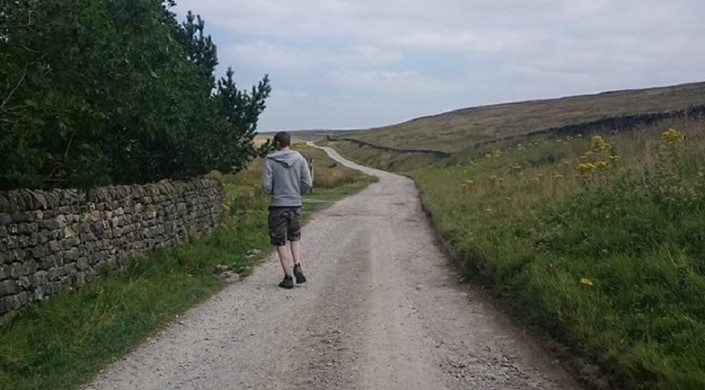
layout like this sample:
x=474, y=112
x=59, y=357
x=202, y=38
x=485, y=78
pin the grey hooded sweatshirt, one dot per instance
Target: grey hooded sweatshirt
x=286, y=177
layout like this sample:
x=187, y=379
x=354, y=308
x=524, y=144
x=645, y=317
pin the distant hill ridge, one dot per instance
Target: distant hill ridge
x=457, y=130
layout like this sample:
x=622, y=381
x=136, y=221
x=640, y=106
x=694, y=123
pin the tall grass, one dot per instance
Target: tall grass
x=63, y=342
x=598, y=242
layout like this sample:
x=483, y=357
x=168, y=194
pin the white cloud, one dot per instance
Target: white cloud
x=318, y=112
x=462, y=42
x=387, y=82
x=278, y=56
x=285, y=94
x=451, y=53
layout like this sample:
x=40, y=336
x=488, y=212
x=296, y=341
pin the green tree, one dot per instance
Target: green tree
x=93, y=92
x=242, y=111
x=199, y=47
x=231, y=147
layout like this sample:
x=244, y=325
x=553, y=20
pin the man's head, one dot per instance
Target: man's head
x=282, y=140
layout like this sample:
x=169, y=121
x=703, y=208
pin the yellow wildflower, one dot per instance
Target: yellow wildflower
x=586, y=282
x=599, y=143
x=496, y=180
x=671, y=136
x=586, y=167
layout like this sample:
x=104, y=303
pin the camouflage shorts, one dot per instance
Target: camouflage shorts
x=284, y=223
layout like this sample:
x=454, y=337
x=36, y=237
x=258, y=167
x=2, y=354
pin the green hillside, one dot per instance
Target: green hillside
x=457, y=130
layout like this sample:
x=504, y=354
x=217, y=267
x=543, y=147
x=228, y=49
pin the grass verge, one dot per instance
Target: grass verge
x=63, y=342
x=597, y=243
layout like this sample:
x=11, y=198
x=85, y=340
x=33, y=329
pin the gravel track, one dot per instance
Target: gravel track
x=382, y=310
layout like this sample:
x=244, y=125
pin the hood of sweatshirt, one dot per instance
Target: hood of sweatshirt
x=287, y=158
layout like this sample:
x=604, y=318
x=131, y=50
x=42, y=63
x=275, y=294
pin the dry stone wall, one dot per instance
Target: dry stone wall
x=614, y=124
x=52, y=239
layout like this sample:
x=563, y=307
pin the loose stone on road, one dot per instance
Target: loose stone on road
x=381, y=310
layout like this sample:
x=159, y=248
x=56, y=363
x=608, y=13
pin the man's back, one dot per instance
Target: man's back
x=286, y=177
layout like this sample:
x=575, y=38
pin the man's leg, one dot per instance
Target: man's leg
x=296, y=254
x=294, y=234
x=288, y=281
x=296, y=251
x=277, y=234
x=284, y=259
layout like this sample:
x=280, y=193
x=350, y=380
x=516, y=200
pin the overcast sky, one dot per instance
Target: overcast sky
x=366, y=63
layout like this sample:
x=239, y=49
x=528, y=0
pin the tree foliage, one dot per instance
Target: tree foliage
x=115, y=91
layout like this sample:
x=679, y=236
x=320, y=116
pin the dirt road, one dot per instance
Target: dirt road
x=381, y=310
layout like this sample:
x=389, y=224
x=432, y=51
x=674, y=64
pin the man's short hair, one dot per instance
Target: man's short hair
x=282, y=139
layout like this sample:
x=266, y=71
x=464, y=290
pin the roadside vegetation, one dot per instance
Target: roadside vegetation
x=63, y=342
x=595, y=241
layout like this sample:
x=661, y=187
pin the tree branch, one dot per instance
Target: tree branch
x=25, y=47
x=12, y=92
x=16, y=26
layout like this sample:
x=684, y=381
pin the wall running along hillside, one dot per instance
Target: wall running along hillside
x=434, y=153
x=52, y=239
x=620, y=123
x=617, y=124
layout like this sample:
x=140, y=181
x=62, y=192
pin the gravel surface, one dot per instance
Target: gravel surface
x=382, y=309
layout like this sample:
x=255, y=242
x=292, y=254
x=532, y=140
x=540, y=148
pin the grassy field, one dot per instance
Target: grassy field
x=597, y=242
x=63, y=342
x=457, y=130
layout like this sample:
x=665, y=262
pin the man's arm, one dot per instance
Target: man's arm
x=267, y=177
x=306, y=181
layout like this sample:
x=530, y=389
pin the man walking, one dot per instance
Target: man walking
x=286, y=177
